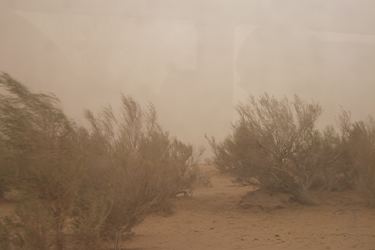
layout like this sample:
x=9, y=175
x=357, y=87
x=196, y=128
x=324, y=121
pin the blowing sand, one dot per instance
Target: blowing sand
x=214, y=219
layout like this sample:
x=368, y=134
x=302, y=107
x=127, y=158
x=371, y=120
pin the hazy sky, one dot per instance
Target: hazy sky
x=195, y=60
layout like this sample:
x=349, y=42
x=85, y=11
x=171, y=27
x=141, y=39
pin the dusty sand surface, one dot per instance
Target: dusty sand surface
x=213, y=219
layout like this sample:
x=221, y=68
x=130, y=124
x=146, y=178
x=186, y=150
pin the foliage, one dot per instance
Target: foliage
x=33, y=226
x=39, y=156
x=359, y=140
x=82, y=186
x=275, y=146
x=133, y=166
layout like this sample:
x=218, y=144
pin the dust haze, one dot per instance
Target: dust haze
x=194, y=60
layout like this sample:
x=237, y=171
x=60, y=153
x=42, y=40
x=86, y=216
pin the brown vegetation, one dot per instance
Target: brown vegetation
x=275, y=146
x=81, y=187
x=78, y=187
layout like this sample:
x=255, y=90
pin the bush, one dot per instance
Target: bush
x=82, y=186
x=133, y=166
x=360, y=148
x=340, y=174
x=39, y=158
x=275, y=146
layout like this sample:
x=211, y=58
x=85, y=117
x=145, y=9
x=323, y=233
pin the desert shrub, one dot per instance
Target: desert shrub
x=39, y=160
x=355, y=166
x=4, y=187
x=32, y=226
x=275, y=146
x=133, y=167
x=83, y=188
x=360, y=145
x=5, y=236
x=340, y=174
x=5, y=169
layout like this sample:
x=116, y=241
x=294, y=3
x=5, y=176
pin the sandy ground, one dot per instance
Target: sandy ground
x=213, y=219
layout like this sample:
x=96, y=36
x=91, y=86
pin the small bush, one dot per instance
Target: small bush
x=133, y=166
x=275, y=146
